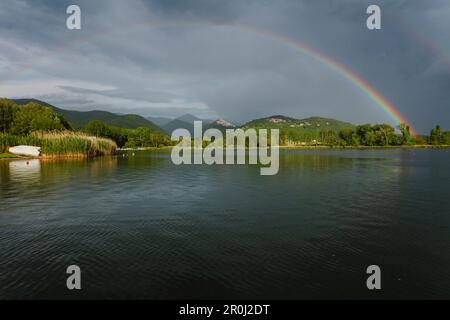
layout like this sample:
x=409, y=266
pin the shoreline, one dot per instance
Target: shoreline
x=11, y=157
x=421, y=146
x=424, y=146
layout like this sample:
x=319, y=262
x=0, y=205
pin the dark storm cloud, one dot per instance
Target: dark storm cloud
x=165, y=58
x=145, y=95
x=213, y=10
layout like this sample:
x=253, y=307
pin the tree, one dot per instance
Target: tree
x=436, y=136
x=34, y=117
x=404, y=129
x=366, y=135
x=138, y=138
x=446, y=138
x=98, y=128
x=7, y=110
x=119, y=135
x=384, y=134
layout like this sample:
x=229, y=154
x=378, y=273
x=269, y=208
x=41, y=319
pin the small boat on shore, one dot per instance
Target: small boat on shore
x=25, y=151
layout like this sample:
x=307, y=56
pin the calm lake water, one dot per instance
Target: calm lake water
x=141, y=227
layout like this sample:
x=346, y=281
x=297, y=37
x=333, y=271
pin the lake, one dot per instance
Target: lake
x=141, y=227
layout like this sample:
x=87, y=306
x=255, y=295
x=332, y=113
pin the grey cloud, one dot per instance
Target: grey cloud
x=143, y=95
x=195, y=58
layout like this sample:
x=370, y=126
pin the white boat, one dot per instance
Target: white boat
x=26, y=151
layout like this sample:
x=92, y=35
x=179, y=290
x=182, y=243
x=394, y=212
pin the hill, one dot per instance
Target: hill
x=159, y=121
x=185, y=122
x=80, y=118
x=311, y=124
x=220, y=124
x=302, y=131
x=178, y=124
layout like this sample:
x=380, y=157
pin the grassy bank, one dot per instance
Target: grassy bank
x=8, y=156
x=61, y=144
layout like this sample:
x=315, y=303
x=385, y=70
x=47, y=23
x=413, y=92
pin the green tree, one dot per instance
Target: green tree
x=446, y=138
x=384, y=134
x=100, y=129
x=97, y=128
x=436, y=136
x=349, y=137
x=140, y=137
x=7, y=110
x=119, y=135
x=34, y=117
x=406, y=134
x=366, y=135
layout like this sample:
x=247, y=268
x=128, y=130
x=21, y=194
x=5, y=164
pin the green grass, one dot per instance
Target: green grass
x=7, y=156
x=65, y=143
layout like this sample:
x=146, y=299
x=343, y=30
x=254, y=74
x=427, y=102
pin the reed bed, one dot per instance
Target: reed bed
x=61, y=143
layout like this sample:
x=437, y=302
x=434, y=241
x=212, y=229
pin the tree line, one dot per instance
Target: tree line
x=129, y=138
x=366, y=135
x=32, y=117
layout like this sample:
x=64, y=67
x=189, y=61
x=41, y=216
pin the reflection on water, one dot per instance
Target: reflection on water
x=24, y=170
x=141, y=227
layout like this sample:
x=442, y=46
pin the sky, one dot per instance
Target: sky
x=228, y=59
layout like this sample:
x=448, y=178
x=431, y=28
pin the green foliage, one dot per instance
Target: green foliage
x=130, y=138
x=139, y=138
x=348, y=137
x=313, y=130
x=406, y=134
x=436, y=136
x=384, y=133
x=366, y=135
x=370, y=135
x=143, y=137
x=79, y=119
x=7, y=110
x=446, y=138
x=119, y=135
x=19, y=124
x=34, y=117
x=8, y=156
x=97, y=128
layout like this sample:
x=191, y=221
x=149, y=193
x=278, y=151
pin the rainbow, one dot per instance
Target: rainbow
x=348, y=74
x=389, y=109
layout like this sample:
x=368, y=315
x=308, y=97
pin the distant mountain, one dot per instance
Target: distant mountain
x=160, y=121
x=188, y=118
x=80, y=118
x=178, y=124
x=184, y=122
x=312, y=124
x=289, y=125
x=221, y=124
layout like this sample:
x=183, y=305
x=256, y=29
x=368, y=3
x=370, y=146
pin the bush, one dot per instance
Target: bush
x=34, y=117
x=64, y=143
x=7, y=111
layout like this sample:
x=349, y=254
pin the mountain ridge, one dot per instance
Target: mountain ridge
x=80, y=118
x=131, y=121
x=313, y=123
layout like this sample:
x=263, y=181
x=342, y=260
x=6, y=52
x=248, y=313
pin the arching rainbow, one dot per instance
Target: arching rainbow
x=356, y=80
x=360, y=83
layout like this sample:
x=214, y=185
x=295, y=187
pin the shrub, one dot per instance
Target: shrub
x=64, y=143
